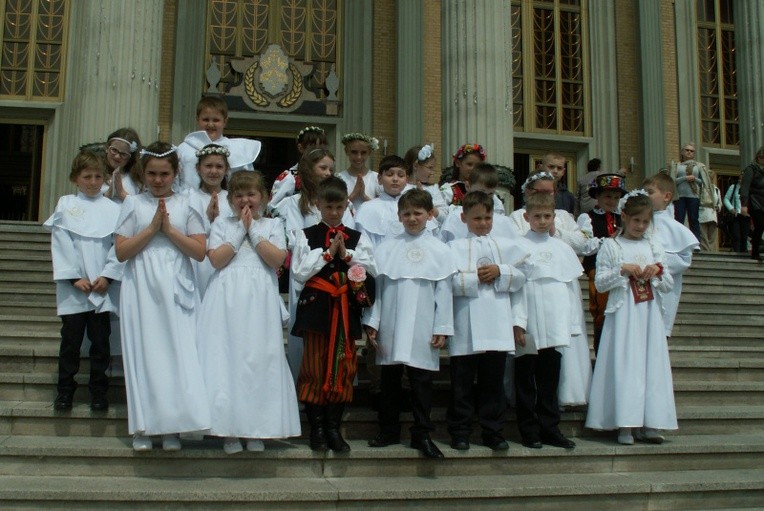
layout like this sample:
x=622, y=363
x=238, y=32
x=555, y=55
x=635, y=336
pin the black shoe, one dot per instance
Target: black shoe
x=557, y=440
x=532, y=443
x=426, y=446
x=332, y=423
x=63, y=401
x=460, y=443
x=315, y=415
x=383, y=440
x=99, y=404
x=496, y=443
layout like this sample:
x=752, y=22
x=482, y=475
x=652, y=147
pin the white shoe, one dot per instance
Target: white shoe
x=625, y=437
x=142, y=443
x=170, y=443
x=255, y=445
x=649, y=435
x=232, y=445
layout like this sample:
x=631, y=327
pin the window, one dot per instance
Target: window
x=549, y=64
x=33, y=49
x=717, y=74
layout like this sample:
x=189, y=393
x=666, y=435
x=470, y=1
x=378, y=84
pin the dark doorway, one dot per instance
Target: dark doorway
x=521, y=170
x=20, y=170
x=276, y=155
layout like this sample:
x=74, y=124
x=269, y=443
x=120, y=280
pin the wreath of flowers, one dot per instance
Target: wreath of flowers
x=538, y=176
x=308, y=129
x=468, y=149
x=213, y=149
x=631, y=194
x=425, y=153
x=349, y=137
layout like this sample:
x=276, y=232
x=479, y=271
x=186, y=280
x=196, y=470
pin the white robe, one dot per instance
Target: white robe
x=243, y=151
x=378, y=218
x=284, y=186
x=438, y=202
x=678, y=242
x=200, y=200
x=370, y=182
x=241, y=347
x=632, y=384
x=576, y=364
x=158, y=307
x=413, y=299
x=485, y=314
x=454, y=228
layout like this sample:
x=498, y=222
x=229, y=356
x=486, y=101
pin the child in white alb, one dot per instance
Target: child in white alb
x=632, y=388
x=488, y=304
x=241, y=345
x=362, y=182
x=84, y=268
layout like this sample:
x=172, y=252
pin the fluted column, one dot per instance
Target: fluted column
x=604, y=143
x=749, y=39
x=685, y=14
x=113, y=67
x=650, y=52
x=477, y=77
x=357, y=68
x=409, y=120
x=189, y=66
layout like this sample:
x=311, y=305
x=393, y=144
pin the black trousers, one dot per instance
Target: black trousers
x=390, y=400
x=536, y=380
x=73, y=327
x=491, y=402
x=757, y=216
x=740, y=228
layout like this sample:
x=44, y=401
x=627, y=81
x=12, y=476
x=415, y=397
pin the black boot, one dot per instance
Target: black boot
x=315, y=415
x=333, y=421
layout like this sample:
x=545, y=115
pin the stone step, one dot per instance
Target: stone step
x=37, y=418
x=31, y=238
x=8, y=226
x=26, y=266
x=113, y=457
x=23, y=254
x=711, y=489
x=28, y=307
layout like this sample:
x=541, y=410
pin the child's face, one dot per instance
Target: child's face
x=480, y=187
x=117, y=154
x=540, y=186
x=212, y=121
x=158, y=175
x=659, y=199
x=251, y=197
x=414, y=219
x=466, y=164
x=423, y=172
x=608, y=200
x=323, y=168
x=479, y=220
x=393, y=180
x=89, y=181
x=212, y=169
x=540, y=219
x=332, y=212
x=556, y=167
x=357, y=152
x=635, y=226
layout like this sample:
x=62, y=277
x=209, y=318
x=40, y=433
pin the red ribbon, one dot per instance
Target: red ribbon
x=610, y=223
x=334, y=231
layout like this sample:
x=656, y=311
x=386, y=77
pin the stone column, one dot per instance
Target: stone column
x=113, y=67
x=749, y=59
x=602, y=46
x=190, y=39
x=356, y=74
x=685, y=14
x=410, y=76
x=477, y=78
x=653, y=131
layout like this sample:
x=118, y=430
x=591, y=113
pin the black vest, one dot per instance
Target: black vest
x=599, y=229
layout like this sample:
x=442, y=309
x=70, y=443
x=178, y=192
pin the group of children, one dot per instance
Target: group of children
x=189, y=255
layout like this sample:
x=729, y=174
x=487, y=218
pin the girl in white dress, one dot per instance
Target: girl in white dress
x=210, y=199
x=241, y=348
x=158, y=233
x=421, y=162
x=361, y=181
x=122, y=148
x=287, y=183
x=632, y=387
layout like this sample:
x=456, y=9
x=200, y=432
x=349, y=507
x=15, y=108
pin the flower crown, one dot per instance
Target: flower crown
x=308, y=129
x=133, y=146
x=213, y=149
x=469, y=149
x=144, y=152
x=538, y=176
x=631, y=194
x=425, y=153
x=349, y=137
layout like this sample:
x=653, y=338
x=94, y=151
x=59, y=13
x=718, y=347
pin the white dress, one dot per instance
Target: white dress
x=241, y=346
x=158, y=306
x=200, y=200
x=632, y=384
x=576, y=364
x=413, y=299
x=370, y=182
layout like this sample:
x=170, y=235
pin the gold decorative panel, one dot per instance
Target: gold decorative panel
x=549, y=61
x=33, y=43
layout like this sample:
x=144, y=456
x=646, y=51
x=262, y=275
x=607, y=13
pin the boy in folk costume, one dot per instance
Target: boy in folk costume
x=600, y=223
x=488, y=302
x=410, y=319
x=332, y=262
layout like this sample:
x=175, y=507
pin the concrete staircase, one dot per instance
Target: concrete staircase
x=83, y=460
